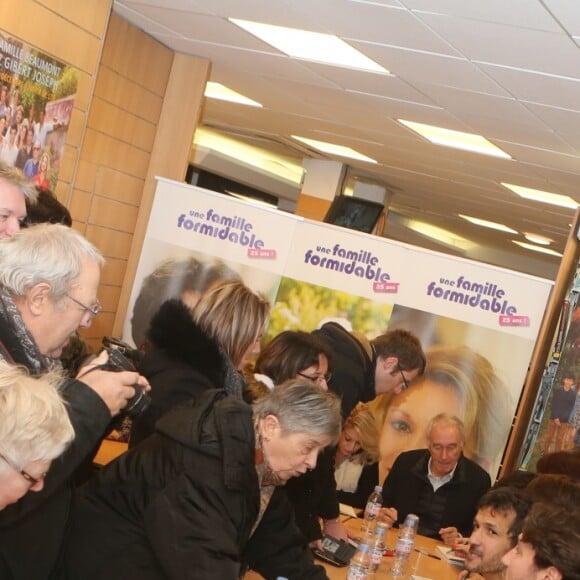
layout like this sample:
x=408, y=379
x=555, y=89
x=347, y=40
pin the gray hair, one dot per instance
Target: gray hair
x=446, y=420
x=44, y=253
x=302, y=407
x=13, y=176
x=34, y=423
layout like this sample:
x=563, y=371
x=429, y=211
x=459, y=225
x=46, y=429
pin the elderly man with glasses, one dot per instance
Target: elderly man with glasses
x=363, y=369
x=49, y=276
x=439, y=483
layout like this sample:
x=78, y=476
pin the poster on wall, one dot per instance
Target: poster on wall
x=37, y=94
x=478, y=323
x=555, y=422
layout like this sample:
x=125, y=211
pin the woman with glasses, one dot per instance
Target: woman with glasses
x=294, y=354
x=34, y=430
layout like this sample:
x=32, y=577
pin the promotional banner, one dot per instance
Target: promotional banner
x=478, y=323
x=37, y=95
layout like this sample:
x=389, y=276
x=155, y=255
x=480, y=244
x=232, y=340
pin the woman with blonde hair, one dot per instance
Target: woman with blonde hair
x=458, y=381
x=34, y=430
x=198, y=348
x=356, y=467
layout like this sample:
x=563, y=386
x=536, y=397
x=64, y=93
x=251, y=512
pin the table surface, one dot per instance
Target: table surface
x=419, y=564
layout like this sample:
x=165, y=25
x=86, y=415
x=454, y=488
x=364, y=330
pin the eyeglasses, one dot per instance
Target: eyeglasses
x=93, y=310
x=405, y=382
x=31, y=480
x=318, y=378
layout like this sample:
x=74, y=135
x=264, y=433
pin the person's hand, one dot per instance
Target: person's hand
x=336, y=529
x=461, y=547
x=316, y=544
x=449, y=535
x=114, y=388
x=388, y=515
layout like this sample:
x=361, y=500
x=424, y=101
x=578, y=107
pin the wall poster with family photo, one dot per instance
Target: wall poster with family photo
x=37, y=94
x=478, y=323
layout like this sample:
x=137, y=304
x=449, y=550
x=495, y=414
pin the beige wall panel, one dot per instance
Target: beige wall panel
x=86, y=175
x=122, y=125
x=80, y=206
x=68, y=163
x=137, y=56
x=112, y=243
x=112, y=214
x=119, y=186
x=83, y=94
x=76, y=128
x=109, y=297
x=113, y=271
x=114, y=154
x=91, y=15
x=115, y=89
x=101, y=326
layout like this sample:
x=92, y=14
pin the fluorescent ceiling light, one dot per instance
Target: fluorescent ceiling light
x=486, y=224
x=223, y=93
x=441, y=235
x=259, y=158
x=333, y=149
x=542, y=196
x=537, y=239
x=455, y=139
x=537, y=248
x=313, y=46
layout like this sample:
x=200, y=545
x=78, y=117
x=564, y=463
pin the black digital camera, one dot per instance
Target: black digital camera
x=122, y=357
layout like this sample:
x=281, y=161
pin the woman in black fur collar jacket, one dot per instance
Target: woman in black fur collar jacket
x=201, y=348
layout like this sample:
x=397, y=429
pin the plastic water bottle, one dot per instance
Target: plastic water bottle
x=358, y=569
x=405, y=543
x=372, y=509
x=378, y=546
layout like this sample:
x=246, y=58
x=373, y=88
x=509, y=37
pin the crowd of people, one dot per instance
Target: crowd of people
x=245, y=451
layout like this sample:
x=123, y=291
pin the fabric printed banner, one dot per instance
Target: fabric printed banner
x=477, y=323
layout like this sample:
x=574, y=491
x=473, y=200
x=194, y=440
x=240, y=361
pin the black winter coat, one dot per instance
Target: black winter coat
x=182, y=363
x=181, y=506
x=33, y=530
x=353, y=370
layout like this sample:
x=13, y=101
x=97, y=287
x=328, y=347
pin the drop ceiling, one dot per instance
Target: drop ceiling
x=506, y=69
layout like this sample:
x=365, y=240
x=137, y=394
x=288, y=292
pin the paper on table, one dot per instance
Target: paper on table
x=347, y=510
x=449, y=554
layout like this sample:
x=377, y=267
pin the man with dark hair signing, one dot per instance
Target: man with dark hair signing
x=497, y=524
x=363, y=369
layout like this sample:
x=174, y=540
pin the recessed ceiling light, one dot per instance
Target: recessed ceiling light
x=537, y=239
x=441, y=235
x=537, y=248
x=456, y=139
x=486, y=224
x=313, y=46
x=542, y=196
x=218, y=91
x=334, y=149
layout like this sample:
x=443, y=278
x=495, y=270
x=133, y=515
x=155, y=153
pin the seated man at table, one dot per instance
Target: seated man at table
x=497, y=524
x=439, y=483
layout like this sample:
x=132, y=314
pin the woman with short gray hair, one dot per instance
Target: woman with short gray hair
x=201, y=497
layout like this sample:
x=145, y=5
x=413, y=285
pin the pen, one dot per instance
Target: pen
x=427, y=554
